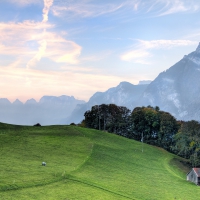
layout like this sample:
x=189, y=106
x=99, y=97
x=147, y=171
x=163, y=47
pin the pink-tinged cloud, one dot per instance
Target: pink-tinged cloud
x=135, y=55
x=47, y=5
x=33, y=40
x=62, y=50
x=15, y=37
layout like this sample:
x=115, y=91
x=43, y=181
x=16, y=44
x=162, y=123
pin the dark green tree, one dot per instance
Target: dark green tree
x=145, y=124
x=188, y=142
x=167, y=130
x=111, y=118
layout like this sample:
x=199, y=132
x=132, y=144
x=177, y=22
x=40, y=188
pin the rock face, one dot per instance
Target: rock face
x=177, y=90
x=125, y=94
x=49, y=110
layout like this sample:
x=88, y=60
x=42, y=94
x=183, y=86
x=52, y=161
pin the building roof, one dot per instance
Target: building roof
x=197, y=171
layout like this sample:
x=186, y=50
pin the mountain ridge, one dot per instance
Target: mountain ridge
x=177, y=88
x=49, y=110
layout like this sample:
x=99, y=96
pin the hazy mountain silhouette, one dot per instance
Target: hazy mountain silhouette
x=49, y=110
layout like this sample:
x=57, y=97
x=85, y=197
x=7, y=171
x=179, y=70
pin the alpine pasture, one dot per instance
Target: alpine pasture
x=86, y=164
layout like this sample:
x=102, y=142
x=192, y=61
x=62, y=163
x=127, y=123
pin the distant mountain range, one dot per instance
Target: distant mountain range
x=177, y=90
x=49, y=110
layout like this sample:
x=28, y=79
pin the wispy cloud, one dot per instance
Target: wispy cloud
x=54, y=46
x=167, y=7
x=47, y=5
x=15, y=38
x=142, y=49
x=23, y=2
x=85, y=9
x=28, y=39
x=138, y=56
x=42, y=43
x=61, y=50
x=177, y=6
x=39, y=54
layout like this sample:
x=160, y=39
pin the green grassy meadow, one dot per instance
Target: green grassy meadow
x=86, y=164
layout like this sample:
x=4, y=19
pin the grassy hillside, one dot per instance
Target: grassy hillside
x=86, y=164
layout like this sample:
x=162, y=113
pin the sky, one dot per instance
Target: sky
x=79, y=47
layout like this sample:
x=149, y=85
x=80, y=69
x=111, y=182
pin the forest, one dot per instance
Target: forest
x=149, y=125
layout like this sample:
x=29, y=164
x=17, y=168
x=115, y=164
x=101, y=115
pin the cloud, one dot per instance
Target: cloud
x=15, y=38
x=84, y=9
x=42, y=43
x=136, y=55
x=168, y=7
x=47, y=5
x=38, y=55
x=23, y=2
x=155, y=8
x=28, y=40
x=20, y=30
x=54, y=46
x=61, y=50
x=142, y=49
x=174, y=6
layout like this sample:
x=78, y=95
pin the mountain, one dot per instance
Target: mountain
x=4, y=105
x=4, y=101
x=177, y=90
x=125, y=94
x=48, y=111
x=144, y=82
x=17, y=102
x=31, y=101
x=54, y=109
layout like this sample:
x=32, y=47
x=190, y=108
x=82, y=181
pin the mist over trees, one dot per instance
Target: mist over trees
x=150, y=125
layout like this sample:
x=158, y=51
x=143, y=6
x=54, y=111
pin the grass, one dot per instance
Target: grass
x=86, y=164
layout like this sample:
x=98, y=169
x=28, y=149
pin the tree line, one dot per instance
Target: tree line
x=149, y=125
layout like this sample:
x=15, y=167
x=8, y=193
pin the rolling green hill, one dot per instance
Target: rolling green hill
x=86, y=164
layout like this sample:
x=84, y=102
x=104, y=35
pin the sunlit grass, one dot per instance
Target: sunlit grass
x=86, y=164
